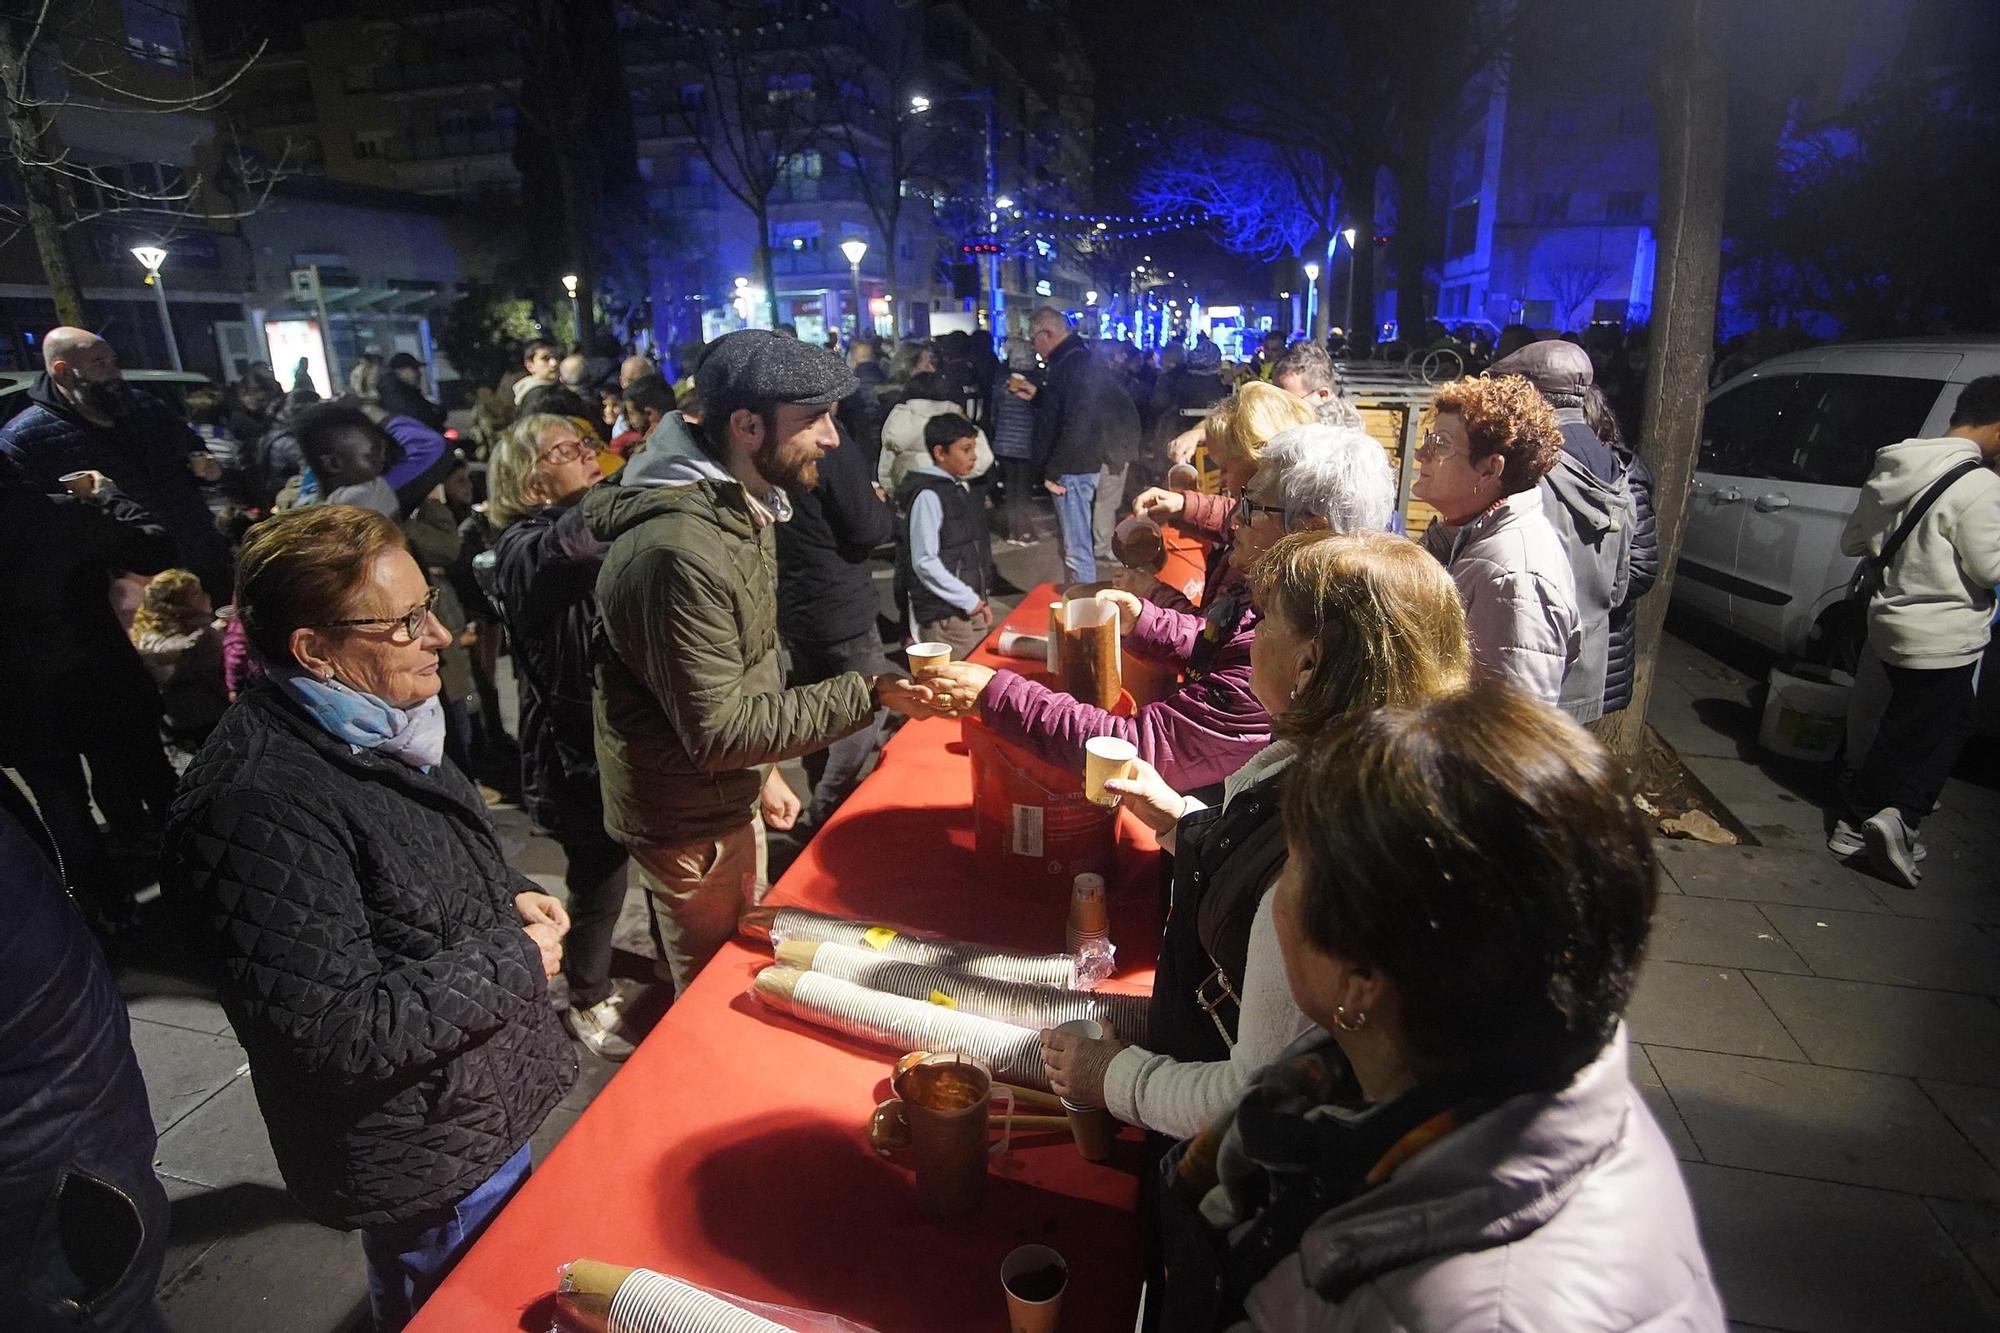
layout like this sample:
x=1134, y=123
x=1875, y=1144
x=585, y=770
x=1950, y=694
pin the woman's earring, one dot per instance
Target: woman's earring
x=1347, y=1022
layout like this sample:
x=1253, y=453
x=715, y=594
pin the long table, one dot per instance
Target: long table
x=731, y=1149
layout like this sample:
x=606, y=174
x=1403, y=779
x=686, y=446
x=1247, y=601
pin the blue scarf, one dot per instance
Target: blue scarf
x=414, y=736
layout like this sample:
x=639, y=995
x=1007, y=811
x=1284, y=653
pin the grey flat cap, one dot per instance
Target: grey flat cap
x=1560, y=371
x=754, y=367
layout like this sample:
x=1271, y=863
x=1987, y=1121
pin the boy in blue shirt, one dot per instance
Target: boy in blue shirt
x=944, y=554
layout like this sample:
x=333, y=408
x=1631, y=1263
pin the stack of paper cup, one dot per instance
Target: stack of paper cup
x=1089, y=918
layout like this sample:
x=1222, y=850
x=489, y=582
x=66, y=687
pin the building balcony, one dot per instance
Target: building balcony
x=440, y=76
x=816, y=189
x=494, y=142
x=685, y=198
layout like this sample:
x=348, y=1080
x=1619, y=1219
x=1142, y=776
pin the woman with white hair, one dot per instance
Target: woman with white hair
x=1308, y=478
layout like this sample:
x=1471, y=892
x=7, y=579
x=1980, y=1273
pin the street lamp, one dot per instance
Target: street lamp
x=575, y=307
x=1349, y=234
x=152, y=256
x=854, y=248
x=1312, y=300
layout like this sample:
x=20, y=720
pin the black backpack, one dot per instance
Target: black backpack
x=1867, y=580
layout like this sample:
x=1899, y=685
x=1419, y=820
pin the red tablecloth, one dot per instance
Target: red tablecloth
x=730, y=1149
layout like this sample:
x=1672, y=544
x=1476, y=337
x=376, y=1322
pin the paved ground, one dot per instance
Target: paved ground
x=1823, y=1050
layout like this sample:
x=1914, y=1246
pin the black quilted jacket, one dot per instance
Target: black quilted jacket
x=395, y=1015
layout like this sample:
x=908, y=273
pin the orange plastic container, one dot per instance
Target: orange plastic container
x=1031, y=817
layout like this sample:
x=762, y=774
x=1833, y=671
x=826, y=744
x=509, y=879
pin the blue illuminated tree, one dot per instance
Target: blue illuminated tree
x=1260, y=199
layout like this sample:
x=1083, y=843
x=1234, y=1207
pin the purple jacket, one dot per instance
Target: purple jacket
x=1197, y=736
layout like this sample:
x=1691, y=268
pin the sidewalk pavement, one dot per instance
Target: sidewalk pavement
x=1823, y=1050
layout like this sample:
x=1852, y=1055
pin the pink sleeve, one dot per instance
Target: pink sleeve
x=235, y=655
x=1162, y=634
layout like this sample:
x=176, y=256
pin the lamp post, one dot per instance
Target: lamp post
x=152, y=256
x=1312, y=300
x=854, y=248
x=1348, y=233
x=575, y=306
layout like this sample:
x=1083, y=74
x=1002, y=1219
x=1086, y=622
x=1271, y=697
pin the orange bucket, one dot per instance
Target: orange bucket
x=1031, y=817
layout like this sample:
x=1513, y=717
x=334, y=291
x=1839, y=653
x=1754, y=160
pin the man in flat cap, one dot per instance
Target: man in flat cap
x=691, y=709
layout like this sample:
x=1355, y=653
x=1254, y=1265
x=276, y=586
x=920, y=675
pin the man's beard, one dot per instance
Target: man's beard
x=104, y=398
x=797, y=476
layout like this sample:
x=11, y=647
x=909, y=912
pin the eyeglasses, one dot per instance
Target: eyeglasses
x=1247, y=510
x=1434, y=448
x=565, y=451
x=412, y=624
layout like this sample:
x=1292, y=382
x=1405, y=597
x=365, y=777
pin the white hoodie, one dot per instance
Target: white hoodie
x=1935, y=609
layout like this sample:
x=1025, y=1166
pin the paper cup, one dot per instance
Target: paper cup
x=79, y=483
x=1106, y=757
x=1093, y=1128
x=1183, y=477
x=924, y=656
x=1034, y=1278
x=1088, y=913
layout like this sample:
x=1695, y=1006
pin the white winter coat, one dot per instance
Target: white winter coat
x=903, y=440
x=1514, y=578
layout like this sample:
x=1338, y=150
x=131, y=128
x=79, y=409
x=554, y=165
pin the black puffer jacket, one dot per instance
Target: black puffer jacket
x=545, y=579
x=1622, y=654
x=145, y=451
x=83, y=1220
x=74, y=675
x=394, y=1011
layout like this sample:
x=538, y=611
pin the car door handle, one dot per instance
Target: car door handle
x=1728, y=497
x=1766, y=503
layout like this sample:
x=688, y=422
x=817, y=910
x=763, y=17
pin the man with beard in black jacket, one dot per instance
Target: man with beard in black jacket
x=827, y=609
x=82, y=416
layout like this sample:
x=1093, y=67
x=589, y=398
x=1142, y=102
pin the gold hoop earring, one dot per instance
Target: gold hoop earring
x=1341, y=1019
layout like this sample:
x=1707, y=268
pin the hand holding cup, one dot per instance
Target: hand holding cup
x=1146, y=794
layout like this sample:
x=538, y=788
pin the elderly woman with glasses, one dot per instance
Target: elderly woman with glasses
x=1311, y=478
x=1483, y=461
x=1349, y=623
x=1463, y=912
x=384, y=968
x=545, y=585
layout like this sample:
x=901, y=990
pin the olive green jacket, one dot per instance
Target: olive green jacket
x=690, y=698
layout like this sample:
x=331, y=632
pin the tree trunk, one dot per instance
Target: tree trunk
x=762, y=212
x=1691, y=98
x=1361, y=261
x=1409, y=247
x=889, y=234
x=47, y=202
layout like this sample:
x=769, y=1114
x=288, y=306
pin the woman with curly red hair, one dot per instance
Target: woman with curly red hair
x=1483, y=460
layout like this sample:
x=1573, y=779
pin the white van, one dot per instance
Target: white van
x=1785, y=447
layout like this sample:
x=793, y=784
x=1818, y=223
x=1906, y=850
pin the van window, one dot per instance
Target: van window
x=1839, y=421
x=1738, y=428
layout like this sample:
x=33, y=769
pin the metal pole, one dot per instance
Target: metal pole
x=333, y=381
x=995, y=300
x=854, y=271
x=166, y=320
x=1350, y=297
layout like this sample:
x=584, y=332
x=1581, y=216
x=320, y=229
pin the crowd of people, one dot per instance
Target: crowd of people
x=1386, y=1064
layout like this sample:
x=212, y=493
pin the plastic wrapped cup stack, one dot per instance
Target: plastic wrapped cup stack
x=649, y=1302
x=1022, y=1003
x=797, y=923
x=1014, y=1054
